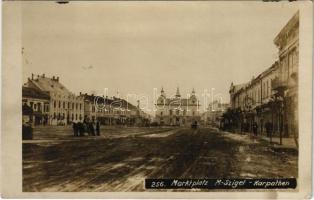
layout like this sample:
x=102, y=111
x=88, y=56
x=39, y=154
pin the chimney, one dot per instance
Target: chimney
x=32, y=76
x=80, y=93
x=43, y=75
x=53, y=78
x=57, y=79
x=38, y=76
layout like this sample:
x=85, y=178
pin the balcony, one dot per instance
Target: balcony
x=278, y=85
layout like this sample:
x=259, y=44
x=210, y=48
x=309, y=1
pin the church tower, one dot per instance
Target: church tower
x=162, y=92
x=178, y=93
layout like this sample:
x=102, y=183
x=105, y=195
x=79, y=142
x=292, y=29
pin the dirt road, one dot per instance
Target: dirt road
x=122, y=158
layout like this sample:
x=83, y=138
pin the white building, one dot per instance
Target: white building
x=177, y=111
x=65, y=106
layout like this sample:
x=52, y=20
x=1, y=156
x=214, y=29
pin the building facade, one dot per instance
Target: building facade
x=273, y=95
x=64, y=106
x=212, y=116
x=37, y=105
x=252, y=102
x=113, y=111
x=177, y=111
x=286, y=85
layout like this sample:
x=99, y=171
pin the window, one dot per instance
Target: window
x=178, y=112
x=54, y=104
x=76, y=106
x=80, y=106
x=63, y=104
x=170, y=112
x=59, y=104
x=75, y=116
x=161, y=113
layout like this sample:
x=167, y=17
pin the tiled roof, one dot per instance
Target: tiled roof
x=34, y=93
x=108, y=101
x=49, y=85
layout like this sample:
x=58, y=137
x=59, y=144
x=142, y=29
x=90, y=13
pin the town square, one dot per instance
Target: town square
x=110, y=100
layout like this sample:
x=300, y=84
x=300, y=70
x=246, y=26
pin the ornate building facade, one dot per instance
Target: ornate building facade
x=273, y=95
x=177, y=111
x=286, y=84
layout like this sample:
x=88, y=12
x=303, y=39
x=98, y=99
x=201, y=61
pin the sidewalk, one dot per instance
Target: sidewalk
x=287, y=143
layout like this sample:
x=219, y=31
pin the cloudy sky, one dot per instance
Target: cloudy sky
x=134, y=47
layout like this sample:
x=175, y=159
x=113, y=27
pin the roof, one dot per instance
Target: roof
x=286, y=29
x=114, y=101
x=238, y=87
x=34, y=93
x=49, y=84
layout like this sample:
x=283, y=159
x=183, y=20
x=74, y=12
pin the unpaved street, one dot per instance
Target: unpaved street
x=122, y=158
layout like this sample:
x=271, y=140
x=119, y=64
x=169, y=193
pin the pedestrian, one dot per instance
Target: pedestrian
x=98, y=128
x=255, y=128
x=91, y=128
x=269, y=128
x=75, y=128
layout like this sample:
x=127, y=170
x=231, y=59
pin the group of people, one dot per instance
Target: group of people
x=268, y=127
x=92, y=128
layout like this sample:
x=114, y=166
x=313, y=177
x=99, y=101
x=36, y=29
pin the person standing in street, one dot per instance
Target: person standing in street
x=75, y=128
x=98, y=128
x=92, y=128
x=255, y=128
x=268, y=127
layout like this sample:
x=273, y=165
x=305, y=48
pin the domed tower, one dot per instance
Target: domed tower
x=193, y=97
x=162, y=97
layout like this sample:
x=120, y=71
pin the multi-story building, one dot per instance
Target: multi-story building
x=112, y=111
x=212, y=116
x=177, y=111
x=273, y=95
x=64, y=106
x=286, y=85
x=251, y=102
x=37, y=102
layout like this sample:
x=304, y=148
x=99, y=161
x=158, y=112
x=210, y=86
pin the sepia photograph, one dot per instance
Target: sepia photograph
x=154, y=96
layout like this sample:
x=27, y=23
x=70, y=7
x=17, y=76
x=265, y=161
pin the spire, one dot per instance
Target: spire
x=178, y=92
x=162, y=92
x=193, y=91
